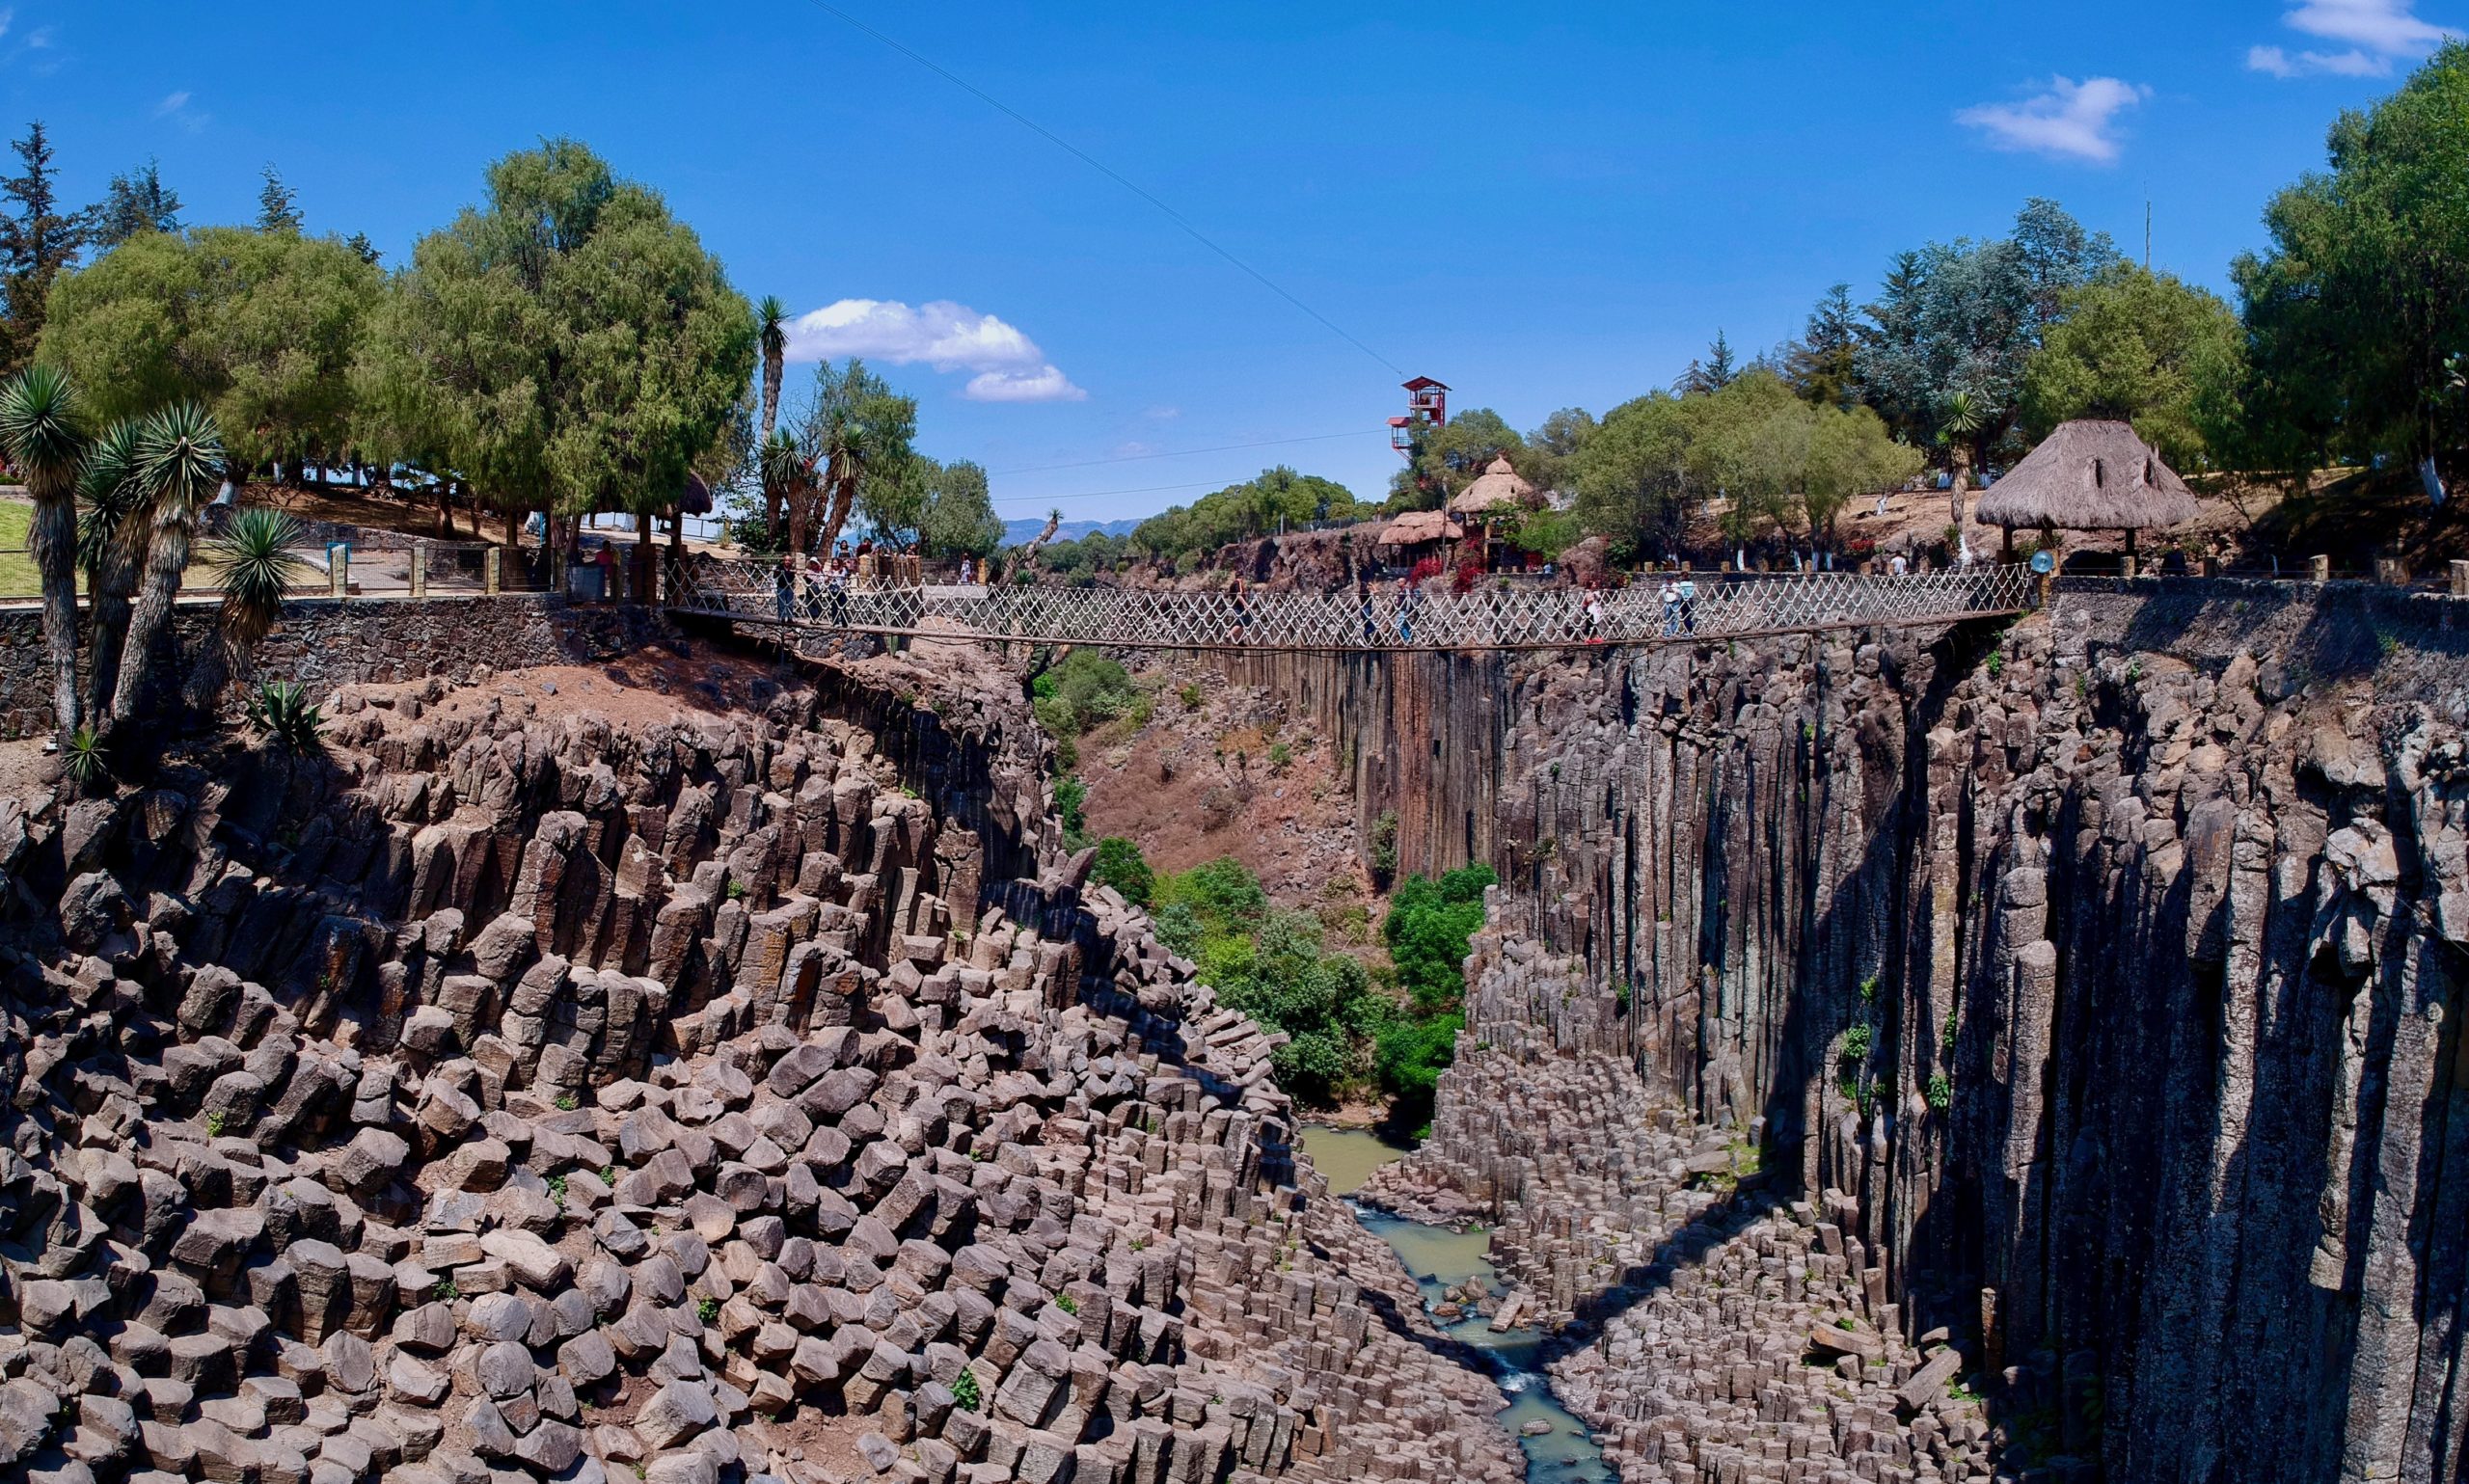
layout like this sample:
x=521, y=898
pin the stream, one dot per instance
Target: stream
x=1439, y=1259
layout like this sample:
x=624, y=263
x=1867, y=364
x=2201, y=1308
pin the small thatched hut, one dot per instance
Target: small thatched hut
x=1421, y=533
x=1496, y=491
x=2089, y=475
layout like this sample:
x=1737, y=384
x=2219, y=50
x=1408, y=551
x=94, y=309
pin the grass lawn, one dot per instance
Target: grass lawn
x=17, y=578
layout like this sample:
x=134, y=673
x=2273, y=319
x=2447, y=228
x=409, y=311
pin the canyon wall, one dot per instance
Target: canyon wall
x=707, y=1075
x=2108, y=966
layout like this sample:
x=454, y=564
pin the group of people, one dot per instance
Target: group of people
x=798, y=585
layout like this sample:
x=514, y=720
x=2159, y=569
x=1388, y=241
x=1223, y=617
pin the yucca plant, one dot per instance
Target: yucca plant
x=107, y=500
x=82, y=758
x=1959, y=420
x=283, y=711
x=179, y=466
x=255, y=558
x=45, y=438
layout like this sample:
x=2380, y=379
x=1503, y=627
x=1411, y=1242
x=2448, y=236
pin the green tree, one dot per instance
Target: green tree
x=2145, y=348
x=858, y=427
x=2362, y=296
x=1850, y=454
x=1823, y=365
x=1963, y=319
x=1712, y=374
x=278, y=210
x=1444, y=460
x=38, y=243
x=960, y=519
x=133, y=202
x=568, y=346
x=1245, y=512
x=260, y=327
x=44, y=432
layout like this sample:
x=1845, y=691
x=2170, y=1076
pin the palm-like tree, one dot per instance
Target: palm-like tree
x=41, y=431
x=254, y=557
x=1959, y=420
x=107, y=499
x=788, y=483
x=773, y=316
x=179, y=465
x=858, y=424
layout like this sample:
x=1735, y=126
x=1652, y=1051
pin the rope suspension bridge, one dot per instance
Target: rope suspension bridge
x=1491, y=615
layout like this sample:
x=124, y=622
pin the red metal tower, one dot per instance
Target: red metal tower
x=1426, y=407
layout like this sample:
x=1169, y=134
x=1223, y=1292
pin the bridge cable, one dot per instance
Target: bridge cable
x=1092, y=161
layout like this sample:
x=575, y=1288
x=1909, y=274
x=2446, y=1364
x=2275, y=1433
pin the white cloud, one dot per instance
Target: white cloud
x=2071, y=120
x=945, y=336
x=175, y=107
x=171, y=104
x=2377, y=32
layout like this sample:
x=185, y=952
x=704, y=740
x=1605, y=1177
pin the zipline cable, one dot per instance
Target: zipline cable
x=1177, y=453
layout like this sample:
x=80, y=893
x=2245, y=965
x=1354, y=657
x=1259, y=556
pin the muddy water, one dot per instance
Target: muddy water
x=1441, y=1259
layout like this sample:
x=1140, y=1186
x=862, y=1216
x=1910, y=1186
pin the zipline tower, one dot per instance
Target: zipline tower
x=1426, y=407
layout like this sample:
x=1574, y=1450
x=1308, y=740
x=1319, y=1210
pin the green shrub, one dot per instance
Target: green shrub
x=1190, y=695
x=1281, y=757
x=964, y=1392
x=1941, y=1092
x=1118, y=865
x=1067, y=1303
x=707, y=1311
x=1428, y=928
x=1082, y=691
x=1070, y=795
x=1384, y=846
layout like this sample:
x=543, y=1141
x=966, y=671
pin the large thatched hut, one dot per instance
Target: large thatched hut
x=2089, y=475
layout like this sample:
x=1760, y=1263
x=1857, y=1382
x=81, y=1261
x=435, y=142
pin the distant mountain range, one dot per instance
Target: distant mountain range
x=1016, y=531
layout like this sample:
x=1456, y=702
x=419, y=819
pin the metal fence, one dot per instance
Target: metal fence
x=1485, y=618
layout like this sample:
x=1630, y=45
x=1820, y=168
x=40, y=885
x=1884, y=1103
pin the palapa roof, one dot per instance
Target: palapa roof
x=1497, y=486
x=1417, y=526
x=2089, y=475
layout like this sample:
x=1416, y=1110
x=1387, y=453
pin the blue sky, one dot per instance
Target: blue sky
x=1541, y=206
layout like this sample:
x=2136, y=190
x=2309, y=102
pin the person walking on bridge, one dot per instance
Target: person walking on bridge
x=1689, y=603
x=1405, y=611
x=1363, y=596
x=835, y=584
x=1671, y=608
x=1242, y=611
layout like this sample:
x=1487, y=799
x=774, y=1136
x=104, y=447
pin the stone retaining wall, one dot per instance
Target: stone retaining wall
x=323, y=643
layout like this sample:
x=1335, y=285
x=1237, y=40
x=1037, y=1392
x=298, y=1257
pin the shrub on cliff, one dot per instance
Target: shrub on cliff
x=1118, y=865
x=1427, y=931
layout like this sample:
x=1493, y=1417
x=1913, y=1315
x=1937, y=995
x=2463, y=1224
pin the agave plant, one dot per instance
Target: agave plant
x=108, y=498
x=255, y=558
x=179, y=465
x=283, y=711
x=83, y=758
x=41, y=430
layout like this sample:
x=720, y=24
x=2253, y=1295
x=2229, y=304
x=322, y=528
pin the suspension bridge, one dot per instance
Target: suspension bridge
x=1490, y=616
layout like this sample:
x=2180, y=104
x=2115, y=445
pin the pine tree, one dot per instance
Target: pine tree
x=366, y=250
x=37, y=242
x=1823, y=365
x=134, y=203
x=276, y=208
x=1721, y=368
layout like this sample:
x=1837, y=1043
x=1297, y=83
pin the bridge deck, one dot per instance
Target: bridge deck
x=1485, y=617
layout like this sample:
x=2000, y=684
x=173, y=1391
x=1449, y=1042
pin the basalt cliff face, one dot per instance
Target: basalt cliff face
x=2090, y=991
x=564, y=1083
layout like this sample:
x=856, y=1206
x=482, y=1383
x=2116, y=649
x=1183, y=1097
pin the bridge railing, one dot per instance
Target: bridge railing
x=1487, y=616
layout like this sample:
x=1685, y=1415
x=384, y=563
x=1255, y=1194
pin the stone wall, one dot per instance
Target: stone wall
x=323, y=643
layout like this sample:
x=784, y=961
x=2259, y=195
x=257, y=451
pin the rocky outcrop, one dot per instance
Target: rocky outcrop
x=2106, y=966
x=749, y=1093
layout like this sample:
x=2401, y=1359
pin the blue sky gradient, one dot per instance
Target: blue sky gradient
x=1541, y=206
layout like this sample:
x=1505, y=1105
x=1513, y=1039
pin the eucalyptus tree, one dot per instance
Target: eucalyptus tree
x=44, y=432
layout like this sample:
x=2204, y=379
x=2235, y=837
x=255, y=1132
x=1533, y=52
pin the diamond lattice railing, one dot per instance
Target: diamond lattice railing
x=1517, y=616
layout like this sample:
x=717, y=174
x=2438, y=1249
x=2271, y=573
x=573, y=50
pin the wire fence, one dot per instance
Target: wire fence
x=1412, y=618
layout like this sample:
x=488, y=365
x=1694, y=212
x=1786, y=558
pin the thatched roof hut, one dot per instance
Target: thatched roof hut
x=1498, y=487
x=1420, y=527
x=2089, y=475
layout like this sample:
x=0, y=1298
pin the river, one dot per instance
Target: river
x=1441, y=1259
